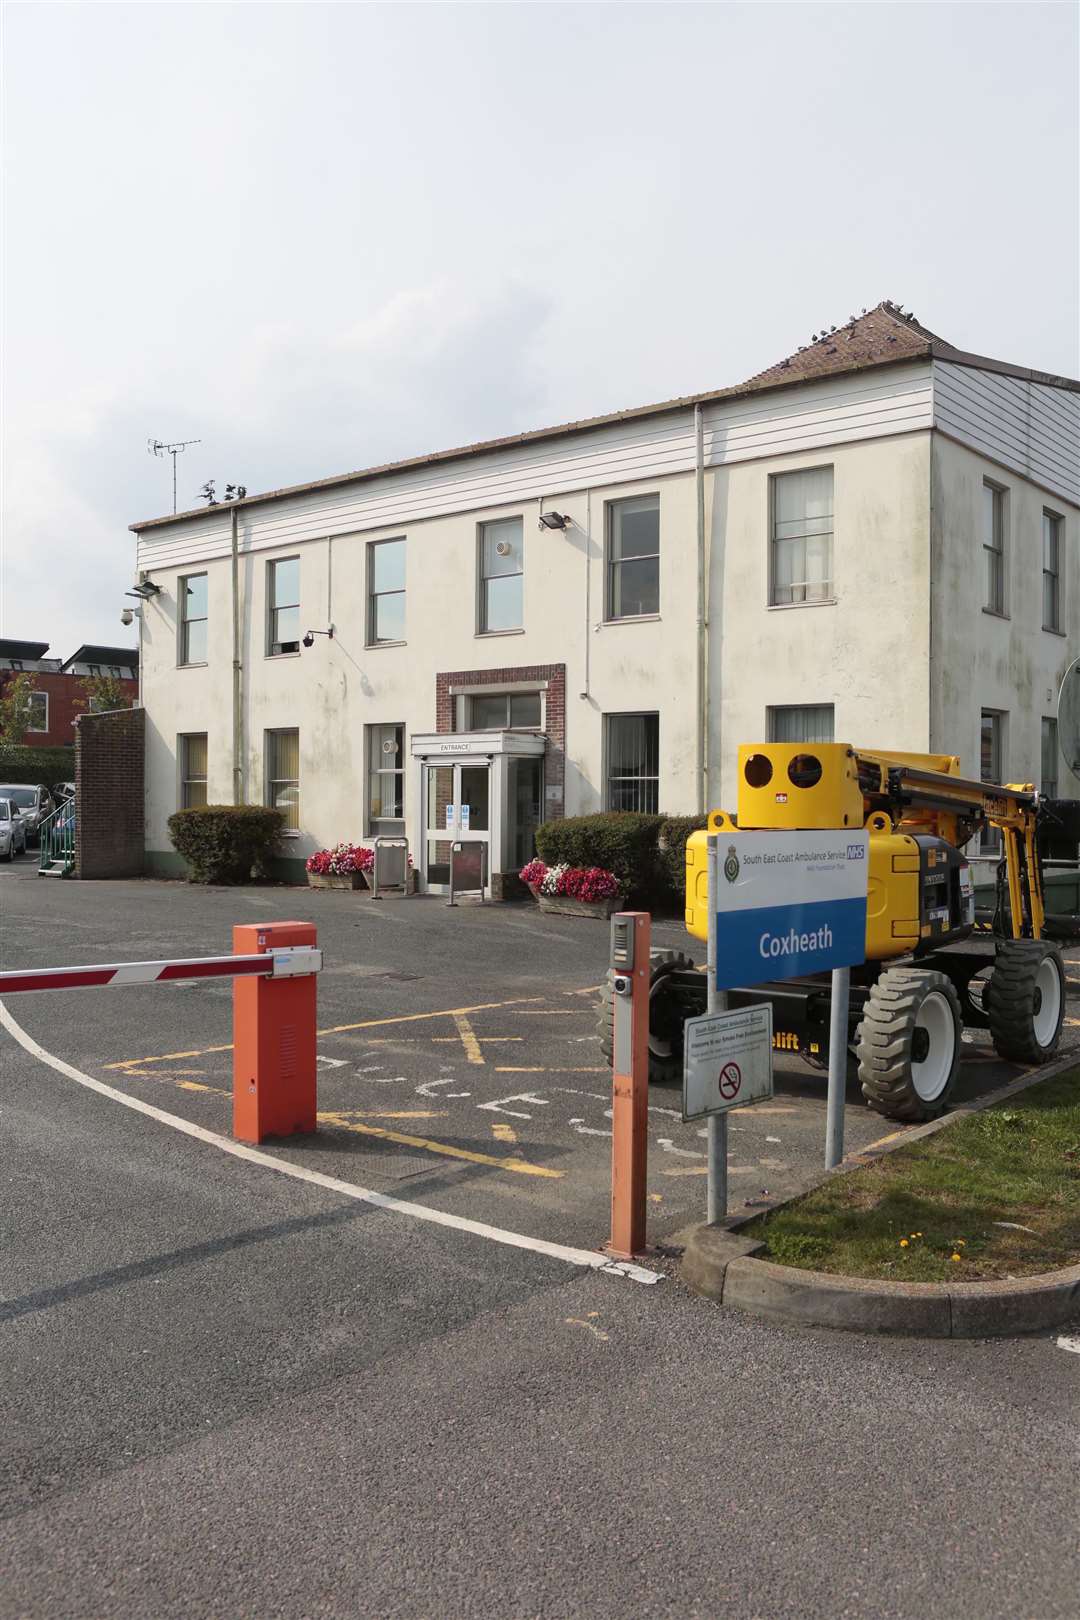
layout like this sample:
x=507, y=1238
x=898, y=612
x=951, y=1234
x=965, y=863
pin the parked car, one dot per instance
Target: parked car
x=33, y=804
x=12, y=831
x=63, y=790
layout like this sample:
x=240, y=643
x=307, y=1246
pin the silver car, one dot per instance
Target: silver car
x=12, y=831
x=33, y=804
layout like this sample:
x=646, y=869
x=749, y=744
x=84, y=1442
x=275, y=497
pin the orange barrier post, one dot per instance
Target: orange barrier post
x=630, y=1092
x=273, y=1039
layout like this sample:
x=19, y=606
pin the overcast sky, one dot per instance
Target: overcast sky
x=317, y=237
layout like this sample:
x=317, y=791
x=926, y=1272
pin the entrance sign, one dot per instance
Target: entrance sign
x=728, y=1061
x=465, y=817
x=789, y=903
x=451, y=811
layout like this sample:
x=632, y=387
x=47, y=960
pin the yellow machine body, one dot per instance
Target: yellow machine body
x=918, y=812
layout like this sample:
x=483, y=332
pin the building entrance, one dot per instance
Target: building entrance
x=477, y=787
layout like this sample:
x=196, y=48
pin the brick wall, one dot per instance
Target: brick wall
x=554, y=711
x=109, y=830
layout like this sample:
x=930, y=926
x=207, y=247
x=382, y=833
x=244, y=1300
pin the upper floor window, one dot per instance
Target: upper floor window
x=1052, y=526
x=802, y=536
x=192, y=770
x=633, y=558
x=283, y=595
x=1049, y=773
x=804, y=723
x=633, y=762
x=502, y=711
x=39, y=712
x=193, y=619
x=502, y=575
x=386, y=591
x=994, y=547
x=283, y=775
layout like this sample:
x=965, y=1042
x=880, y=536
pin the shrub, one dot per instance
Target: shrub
x=226, y=843
x=37, y=767
x=672, y=849
x=618, y=841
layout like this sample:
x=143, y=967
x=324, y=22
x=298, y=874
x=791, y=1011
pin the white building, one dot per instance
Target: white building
x=876, y=540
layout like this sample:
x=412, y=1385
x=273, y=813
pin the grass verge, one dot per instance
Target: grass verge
x=995, y=1195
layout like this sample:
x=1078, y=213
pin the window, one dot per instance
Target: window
x=994, y=547
x=633, y=570
x=802, y=536
x=386, y=779
x=497, y=711
x=39, y=712
x=283, y=775
x=991, y=756
x=633, y=762
x=1049, y=773
x=501, y=575
x=192, y=752
x=1052, y=526
x=193, y=617
x=283, y=594
x=810, y=724
x=386, y=591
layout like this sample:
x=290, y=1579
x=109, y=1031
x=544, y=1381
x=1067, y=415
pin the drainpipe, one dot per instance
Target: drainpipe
x=588, y=578
x=702, y=759
x=237, y=739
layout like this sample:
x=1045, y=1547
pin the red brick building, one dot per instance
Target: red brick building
x=58, y=694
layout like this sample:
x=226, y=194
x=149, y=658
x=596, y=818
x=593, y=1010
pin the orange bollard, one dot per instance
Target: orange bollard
x=630, y=1097
x=273, y=1039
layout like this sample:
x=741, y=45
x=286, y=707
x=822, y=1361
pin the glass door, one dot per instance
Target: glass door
x=457, y=805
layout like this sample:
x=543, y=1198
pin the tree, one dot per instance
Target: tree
x=15, y=709
x=103, y=692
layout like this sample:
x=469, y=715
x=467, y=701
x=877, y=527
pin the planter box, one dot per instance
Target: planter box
x=564, y=905
x=337, y=880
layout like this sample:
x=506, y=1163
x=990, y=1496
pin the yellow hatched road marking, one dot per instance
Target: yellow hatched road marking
x=502, y=1132
x=517, y=1165
x=539, y=1068
x=468, y=1039
x=337, y=1029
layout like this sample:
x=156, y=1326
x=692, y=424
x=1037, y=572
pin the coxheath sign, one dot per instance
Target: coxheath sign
x=789, y=903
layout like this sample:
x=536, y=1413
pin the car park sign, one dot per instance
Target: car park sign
x=788, y=904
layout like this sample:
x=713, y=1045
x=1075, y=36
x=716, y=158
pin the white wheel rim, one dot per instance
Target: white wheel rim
x=931, y=1076
x=1048, y=995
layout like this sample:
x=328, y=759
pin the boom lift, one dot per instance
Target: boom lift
x=928, y=971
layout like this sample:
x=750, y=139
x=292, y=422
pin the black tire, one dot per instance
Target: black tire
x=908, y=1044
x=1025, y=1022
x=665, y=1025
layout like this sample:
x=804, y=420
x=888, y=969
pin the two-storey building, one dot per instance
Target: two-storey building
x=876, y=540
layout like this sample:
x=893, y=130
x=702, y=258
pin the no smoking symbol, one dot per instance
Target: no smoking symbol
x=730, y=1081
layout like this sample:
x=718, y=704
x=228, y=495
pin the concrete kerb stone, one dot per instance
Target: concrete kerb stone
x=723, y=1265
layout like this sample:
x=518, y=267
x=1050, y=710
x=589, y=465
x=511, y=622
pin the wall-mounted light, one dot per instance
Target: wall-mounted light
x=145, y=589
x=553, y=520
x=309, y=635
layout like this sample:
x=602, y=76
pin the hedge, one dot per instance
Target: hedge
x=226, y=843
x=672, y=849
x=37, y=767
x=621, y=841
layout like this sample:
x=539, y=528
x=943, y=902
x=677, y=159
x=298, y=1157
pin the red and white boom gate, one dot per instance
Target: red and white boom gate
x=273, y=966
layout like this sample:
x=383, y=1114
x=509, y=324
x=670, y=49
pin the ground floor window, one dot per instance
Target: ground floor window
x=991, y=765
x=802, y=723
x=283, y=775
x=192, y=752
x=632, y=752
x=1049, y=774
x=386, y=779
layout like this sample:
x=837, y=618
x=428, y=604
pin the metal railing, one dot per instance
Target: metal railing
x=56, y=839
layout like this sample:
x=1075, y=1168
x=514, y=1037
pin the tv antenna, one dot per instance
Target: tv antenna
x=157, y=447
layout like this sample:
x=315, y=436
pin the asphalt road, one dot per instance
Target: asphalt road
x=228, y=1394
x=498, y=1113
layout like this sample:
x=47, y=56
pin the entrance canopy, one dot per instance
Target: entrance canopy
x=482, y=787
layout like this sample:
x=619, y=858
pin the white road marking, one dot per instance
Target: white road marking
x=426, y=1090
x=668, y=1146
x=588, y=1258
x=518, y=1096
x=587, y=1130
x=1064, y=1342
x=331, y=1063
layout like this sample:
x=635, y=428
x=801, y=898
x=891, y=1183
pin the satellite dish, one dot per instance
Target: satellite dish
x=1068, y=717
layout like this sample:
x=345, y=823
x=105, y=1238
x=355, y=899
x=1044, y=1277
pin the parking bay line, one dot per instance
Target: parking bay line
x=345, y=1123
x=337, y=1029
x=590, y=1259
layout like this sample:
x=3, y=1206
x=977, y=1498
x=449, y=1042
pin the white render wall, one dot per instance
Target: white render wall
x=983, y=661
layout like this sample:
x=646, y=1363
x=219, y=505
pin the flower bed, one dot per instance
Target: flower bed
x=585, y=890
x=347, y=866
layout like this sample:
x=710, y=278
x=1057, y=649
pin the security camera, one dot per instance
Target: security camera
x=622, y=984
x=127, y=616
x=309, y=639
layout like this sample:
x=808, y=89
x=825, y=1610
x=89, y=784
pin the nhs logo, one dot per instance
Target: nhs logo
x=856, y=852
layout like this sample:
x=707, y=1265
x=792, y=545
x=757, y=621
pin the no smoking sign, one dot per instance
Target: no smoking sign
x=728, y=1061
